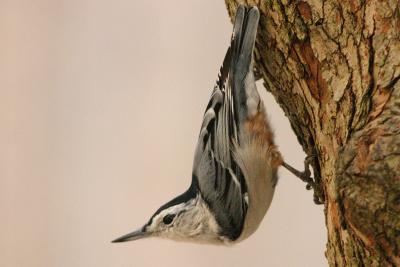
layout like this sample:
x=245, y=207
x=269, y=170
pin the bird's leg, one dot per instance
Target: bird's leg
x=305, y=176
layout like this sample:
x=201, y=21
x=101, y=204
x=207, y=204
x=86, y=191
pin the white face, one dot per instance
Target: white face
x=190, y=221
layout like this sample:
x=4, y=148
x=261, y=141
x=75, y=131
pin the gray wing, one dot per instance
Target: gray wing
x=221, y=182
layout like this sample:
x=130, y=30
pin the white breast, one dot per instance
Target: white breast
x=255, y=161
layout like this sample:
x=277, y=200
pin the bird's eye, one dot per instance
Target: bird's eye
x=168, y=218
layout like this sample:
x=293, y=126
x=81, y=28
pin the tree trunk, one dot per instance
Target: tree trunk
x=334, y=66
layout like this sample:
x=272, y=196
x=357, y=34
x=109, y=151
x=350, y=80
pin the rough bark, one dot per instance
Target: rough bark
x=334, y=68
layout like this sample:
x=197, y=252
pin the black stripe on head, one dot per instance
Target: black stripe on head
x=189, y=194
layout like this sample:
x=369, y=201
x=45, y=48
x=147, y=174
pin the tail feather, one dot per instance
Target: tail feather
x=237, y=36
x=241, y=70
x=247, y=43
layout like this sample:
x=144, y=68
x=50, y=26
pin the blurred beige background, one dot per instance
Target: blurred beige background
x=100, y=107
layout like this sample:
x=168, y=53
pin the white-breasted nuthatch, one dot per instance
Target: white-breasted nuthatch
x=236, y=161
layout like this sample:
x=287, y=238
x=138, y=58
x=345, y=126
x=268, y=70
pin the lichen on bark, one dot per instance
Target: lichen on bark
x=334, y=68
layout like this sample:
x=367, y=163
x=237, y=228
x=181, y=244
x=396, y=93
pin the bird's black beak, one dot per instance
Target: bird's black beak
x=138, y=234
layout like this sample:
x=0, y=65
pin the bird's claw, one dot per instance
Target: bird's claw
x=305, y=176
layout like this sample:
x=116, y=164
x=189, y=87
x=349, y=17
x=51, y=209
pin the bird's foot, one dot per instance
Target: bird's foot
x=305, y=176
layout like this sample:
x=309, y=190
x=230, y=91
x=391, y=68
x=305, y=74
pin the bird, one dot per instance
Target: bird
x=236, y=161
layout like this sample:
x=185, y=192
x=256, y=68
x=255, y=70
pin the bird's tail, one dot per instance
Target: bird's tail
x=246, y=97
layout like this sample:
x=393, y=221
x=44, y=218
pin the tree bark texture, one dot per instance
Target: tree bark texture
x=334, y=68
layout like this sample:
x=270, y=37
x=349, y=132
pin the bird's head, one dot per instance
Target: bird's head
x=185, y=218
